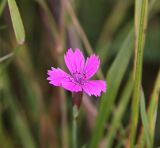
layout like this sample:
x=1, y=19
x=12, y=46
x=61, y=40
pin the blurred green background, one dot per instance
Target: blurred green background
x=35, y=114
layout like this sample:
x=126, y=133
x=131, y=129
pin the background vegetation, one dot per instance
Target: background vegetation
x=34, y=35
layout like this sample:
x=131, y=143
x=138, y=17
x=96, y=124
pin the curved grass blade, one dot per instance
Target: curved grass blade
x=16, y=21
x=145, y=122
x=152, y=110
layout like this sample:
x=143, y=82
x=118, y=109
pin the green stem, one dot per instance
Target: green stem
x=74, y=127
x=140, y=28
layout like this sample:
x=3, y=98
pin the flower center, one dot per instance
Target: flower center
x=79, y=77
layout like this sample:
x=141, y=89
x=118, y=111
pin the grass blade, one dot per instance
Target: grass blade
x=115, y=123
x=152, y=110
x=141, y=11
x=114, y=79
x=16, y=21
x=145, y=122
x=6, y=57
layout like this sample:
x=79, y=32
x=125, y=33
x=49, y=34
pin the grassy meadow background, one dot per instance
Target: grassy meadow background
x=35, y=34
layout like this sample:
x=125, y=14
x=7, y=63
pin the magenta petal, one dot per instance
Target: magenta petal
x=74, y=60
x=92, y=65
x=71, y=86
x=94, y=87
x=57, y=76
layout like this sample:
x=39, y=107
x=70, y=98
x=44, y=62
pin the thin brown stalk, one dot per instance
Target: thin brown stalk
x=81, y=33
x=60, y=49
x=6, y=57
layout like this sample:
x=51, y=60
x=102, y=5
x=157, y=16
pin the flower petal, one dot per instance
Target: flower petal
x=94, y=87
x=92, y=65
x=58, y=77
x=74, y=60
x=72, y=86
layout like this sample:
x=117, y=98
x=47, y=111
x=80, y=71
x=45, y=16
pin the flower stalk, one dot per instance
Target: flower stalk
x=77, y=99
x=74, y=126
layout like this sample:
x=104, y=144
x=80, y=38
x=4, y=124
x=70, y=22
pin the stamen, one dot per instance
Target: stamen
x=79, y=77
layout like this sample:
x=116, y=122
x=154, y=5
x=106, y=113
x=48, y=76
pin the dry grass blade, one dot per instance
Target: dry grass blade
x=6, y=57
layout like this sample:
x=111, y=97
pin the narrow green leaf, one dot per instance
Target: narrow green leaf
x=115, y=123
x=152, y=110
x=145, y=122
x=141, y=13
x=114, y=79
x=16, y=21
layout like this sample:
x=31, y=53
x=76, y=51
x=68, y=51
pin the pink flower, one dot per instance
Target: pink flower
x=80, y=73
